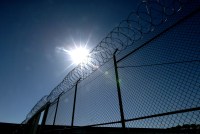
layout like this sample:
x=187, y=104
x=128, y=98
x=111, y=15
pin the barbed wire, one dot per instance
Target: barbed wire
x=148, y=15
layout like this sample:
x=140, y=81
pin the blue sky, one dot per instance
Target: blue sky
x=30, y=33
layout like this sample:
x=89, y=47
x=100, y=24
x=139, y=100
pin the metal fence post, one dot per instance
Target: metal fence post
x=44, y=117
x=119, y=91
x=74, y=105
x=54, y=120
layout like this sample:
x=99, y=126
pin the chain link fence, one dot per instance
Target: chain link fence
x=155, y=82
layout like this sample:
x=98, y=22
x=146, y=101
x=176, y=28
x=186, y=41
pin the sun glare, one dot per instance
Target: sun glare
x=79, y=55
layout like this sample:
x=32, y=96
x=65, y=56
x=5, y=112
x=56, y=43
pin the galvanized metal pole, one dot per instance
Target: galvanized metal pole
x=119, y=91
x=44, y=117
x=56, y=110
x=45, y=114
x=74, y=105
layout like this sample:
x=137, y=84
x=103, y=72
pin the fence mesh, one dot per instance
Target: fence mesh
x=97, y=100
x=65, y=108
x=169, y=121
x=51, y=114
x=164, y=75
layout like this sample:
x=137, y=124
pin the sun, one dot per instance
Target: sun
x=79, y=55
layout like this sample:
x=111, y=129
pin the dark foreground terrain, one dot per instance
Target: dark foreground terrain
x=8, y=128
